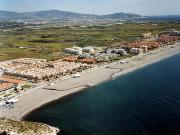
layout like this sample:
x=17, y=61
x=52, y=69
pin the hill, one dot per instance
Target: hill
x=62, y=15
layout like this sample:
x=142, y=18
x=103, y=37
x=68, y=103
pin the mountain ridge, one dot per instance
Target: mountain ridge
x=58, y=14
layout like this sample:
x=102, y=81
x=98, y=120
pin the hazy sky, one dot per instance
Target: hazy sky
x=143, y=7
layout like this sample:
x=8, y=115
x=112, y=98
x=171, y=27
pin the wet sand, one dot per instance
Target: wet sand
x=39, y=97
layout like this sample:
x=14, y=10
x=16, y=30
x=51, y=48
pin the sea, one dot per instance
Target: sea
x=144, y=102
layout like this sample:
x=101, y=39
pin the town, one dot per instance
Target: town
x=18, y=76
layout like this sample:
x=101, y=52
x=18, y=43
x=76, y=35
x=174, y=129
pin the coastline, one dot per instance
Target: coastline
x=64, y=98
x=43, y=96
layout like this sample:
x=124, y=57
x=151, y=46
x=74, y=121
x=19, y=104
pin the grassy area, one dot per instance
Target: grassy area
x=26, y=86
x=47, y=42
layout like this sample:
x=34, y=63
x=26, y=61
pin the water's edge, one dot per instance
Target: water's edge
x=69, y=96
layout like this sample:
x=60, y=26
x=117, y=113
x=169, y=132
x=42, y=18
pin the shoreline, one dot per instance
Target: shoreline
x=41, y=97
x=64, y=98
x=118, y=74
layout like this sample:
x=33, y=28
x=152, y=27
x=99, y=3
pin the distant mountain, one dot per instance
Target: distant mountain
x=62, y=15
x=7, y=15
x=164, y=18
x=121, y=16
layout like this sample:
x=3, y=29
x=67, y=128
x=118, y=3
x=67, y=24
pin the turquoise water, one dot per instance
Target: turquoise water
x=145, y=102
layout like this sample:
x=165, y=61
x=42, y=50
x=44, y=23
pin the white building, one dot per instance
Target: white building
x=136, y=50
x=117, y=51
x=145, y=48
x=123, y=53
x=172, y=32
x=74, y=50
x=85, y=55
x=120, y=51
x=1, y=72
x=146, y=35
x=88, y=49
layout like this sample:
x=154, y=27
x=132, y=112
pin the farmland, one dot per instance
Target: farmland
x=47, y=41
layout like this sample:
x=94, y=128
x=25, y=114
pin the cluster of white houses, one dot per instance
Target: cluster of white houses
x=117, y=50
x=136, y=50
x=103, y=53
x=146, y=35
x=79, y=50
x=171, y=32
x=38, y=68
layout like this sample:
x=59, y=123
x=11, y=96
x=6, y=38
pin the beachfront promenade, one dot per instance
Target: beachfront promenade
x=46, y=94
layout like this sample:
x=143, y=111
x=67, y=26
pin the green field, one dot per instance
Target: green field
x=47, y=41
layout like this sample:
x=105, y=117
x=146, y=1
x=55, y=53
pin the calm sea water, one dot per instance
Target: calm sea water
x=145, y=102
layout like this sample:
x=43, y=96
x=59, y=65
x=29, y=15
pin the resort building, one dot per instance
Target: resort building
x=116, y=50
x=1, y=72
x=85, y=55
x=150, y=44
x=71, y=58
x=172, y=32
x=74, y=50
x=136, y=50
x=88, y=49
x=79, y=50
x=146, y=35
x=88, y=61
x=120, y=51
x=145, y=48
x=167, y=38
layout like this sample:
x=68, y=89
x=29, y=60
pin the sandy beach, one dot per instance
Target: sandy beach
x=34, y=99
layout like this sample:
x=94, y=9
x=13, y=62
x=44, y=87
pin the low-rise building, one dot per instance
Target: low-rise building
x=167, y=38
x=124, y=53
x=172, y=32
x=102, y=56
x=88, y=61
x=79, y=50
x=149, y=44
x=119, y=51
x=85, y=55
x=5, y=85
x=136, y=50
x=1, y=72
x=146, y=35
x=71, y=58
x=8, y=82
x=145, y=48
x=74, y=50
x=88, y=49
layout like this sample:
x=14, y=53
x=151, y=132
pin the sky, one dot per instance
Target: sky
x=142, y=7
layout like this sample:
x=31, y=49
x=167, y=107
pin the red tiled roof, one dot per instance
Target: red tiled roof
x=5, y=85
